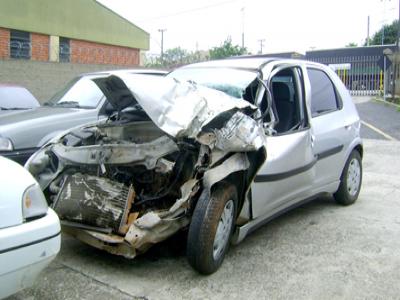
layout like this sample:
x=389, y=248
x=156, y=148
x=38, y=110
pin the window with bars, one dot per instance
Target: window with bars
x=65, y=52
x=20, y=44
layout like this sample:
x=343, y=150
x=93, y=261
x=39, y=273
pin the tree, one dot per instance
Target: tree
x=352, y=44
x=389, y=34
x=175, y=57
x=227, y=49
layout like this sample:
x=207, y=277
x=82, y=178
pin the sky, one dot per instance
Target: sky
x=283, y=25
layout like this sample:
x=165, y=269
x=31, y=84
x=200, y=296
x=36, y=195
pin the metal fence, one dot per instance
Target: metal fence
x=362, y=75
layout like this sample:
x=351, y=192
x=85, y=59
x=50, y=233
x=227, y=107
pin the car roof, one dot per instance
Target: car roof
x=240, y=62
x=249, y=62
x=125, y=71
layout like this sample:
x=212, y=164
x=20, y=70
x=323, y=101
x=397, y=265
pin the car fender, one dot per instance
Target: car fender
x=357, y=142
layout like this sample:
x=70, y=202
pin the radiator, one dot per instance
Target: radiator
x=93, y=201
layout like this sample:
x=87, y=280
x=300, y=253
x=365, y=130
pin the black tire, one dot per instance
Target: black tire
x=201, y=254
x=348, y=194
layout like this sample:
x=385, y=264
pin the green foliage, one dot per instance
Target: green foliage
x=227, y=49
x=352, y=44
x=176, y=57
x=389, y=37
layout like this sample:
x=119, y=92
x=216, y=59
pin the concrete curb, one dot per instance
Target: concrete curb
x=386, y=102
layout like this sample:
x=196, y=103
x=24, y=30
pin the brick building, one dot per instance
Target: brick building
x=77, y=31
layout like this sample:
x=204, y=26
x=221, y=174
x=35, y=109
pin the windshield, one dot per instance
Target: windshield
x=81, y=92
x=230, y=81
x=14, y=97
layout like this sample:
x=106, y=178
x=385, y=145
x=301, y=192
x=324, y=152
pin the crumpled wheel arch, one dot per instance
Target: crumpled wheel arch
x=239, y=175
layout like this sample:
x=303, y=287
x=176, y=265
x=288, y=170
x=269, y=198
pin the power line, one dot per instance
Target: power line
x=188, y=11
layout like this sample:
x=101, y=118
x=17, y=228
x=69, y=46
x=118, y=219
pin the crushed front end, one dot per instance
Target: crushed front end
x=127, y=183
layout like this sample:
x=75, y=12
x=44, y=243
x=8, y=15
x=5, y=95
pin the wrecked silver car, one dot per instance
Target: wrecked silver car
x=218, y=148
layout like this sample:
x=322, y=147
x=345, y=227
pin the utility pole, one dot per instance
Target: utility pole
x=162, y=43
x=396, y=58
x=398, y=31
x=368, y=32
x=261, y=41
x=242, y=10
x=383, y=21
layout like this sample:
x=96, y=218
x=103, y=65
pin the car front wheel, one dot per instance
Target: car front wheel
x=350, y=181
x=211, y=229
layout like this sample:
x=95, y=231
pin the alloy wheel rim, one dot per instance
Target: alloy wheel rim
x=353, y=177
x=223, y=230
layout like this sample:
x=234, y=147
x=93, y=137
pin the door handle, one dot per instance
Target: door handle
x=347, y=127
x=312, y=140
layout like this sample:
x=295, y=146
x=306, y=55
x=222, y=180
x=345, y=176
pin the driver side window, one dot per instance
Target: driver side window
x=288, y=104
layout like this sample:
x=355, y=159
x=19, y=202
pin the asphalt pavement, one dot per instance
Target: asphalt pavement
x=378, y=117
x=318, y=251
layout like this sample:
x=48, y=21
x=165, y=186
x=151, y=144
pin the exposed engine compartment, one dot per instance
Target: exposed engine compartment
x=156, y=181
x=104, y=178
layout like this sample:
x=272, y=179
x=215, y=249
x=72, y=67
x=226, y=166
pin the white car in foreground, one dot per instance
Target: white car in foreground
x=29, y=230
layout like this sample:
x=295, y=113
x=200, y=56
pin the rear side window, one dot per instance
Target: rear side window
x=323, y=94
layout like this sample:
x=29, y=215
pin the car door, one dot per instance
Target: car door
x=288, y=172
x=331, y=134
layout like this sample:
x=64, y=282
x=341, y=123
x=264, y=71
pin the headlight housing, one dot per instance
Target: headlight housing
x=33, y=202
x=6, y=144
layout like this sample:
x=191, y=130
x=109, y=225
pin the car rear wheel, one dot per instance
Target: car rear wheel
x=350, y=181
x=211, y=229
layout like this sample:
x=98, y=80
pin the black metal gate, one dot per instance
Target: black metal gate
x=361, y=69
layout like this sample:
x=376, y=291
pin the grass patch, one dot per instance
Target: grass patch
x=388, y=101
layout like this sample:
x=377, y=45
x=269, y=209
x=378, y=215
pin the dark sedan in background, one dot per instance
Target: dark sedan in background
x=80, y=102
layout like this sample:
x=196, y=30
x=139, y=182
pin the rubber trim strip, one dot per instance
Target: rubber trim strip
x=283, y=175
x=329, y=152
x=30, y=243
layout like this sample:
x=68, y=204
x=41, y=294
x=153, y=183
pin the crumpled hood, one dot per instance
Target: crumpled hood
x=181, y=109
